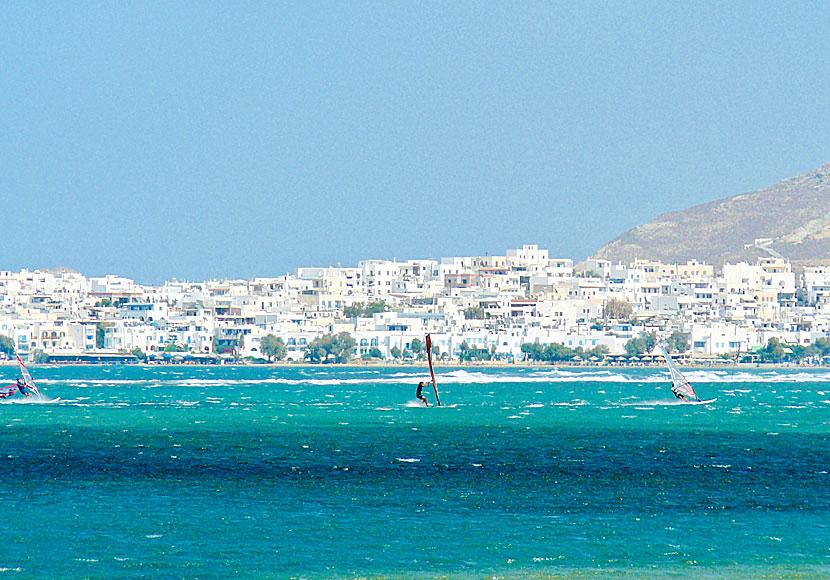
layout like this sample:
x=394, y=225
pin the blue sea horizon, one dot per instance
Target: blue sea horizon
x=338, y=472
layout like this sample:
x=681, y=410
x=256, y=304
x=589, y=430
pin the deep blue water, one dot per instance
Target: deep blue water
x=172, y=472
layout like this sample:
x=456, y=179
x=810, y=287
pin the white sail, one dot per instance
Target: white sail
x=680, y=386
x=28, y=381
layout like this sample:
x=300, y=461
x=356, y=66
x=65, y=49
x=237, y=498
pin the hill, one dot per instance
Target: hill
x=791, y=217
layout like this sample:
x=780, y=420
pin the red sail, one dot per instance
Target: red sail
x=429, y=358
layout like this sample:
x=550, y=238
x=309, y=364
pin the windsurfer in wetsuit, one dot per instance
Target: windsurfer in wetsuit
x=679, y=395
x=420, y=395
x=21, y=389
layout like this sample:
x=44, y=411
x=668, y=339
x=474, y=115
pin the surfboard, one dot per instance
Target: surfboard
x=704, y=402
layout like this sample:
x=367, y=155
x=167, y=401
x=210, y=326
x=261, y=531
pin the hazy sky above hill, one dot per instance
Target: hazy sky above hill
x=161, y=140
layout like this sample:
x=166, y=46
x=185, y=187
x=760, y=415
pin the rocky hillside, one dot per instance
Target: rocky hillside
x=791, y=217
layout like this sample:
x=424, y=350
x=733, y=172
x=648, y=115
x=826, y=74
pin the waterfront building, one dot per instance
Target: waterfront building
x=494, y=303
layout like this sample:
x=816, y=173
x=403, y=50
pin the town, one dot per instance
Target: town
x=521, y=306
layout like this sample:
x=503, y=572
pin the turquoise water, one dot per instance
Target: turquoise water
x=171, y=472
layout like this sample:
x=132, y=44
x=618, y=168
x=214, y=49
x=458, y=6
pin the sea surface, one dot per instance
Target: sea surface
x=337, y=472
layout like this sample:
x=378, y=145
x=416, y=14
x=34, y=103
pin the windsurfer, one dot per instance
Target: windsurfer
x=680, y=396
x=20, y=387
x=420, y=395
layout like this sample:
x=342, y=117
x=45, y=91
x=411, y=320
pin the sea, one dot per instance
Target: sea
x=339, y=472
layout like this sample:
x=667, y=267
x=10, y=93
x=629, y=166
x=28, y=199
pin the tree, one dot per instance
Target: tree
x=599, y=351
x=395, y=352
x=642, y=344
x=273, y=347
x=174, y=347
x=618, y=309
x=553, y=352
x=361, y=310
x=435, y=350
x=331, y=348
x=821, y=346
x=139, y=354
x=773, y=352
x=635, y=346
x=474, y=313
x=375, y=308
x=470, y=353
x=417, y=347
x=678, y=342
x=532, y=351
x=353, y=310
x=6, y=345
x=374, y=352
x=649, y=340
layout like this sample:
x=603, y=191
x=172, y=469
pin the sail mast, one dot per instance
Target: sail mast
x=431, y=372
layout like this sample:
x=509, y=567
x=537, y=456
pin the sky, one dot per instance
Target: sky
x=160, y=140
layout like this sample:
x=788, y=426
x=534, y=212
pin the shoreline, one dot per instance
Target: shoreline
x=726, y=365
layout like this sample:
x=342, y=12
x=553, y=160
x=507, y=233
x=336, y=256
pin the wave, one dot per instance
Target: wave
x=332, y=377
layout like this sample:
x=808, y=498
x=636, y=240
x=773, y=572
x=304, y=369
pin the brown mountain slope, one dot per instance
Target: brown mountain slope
x=794, y=214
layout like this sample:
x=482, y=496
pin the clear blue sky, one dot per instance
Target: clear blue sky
x=194, y=140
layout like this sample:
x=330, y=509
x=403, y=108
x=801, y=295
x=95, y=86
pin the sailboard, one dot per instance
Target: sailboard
x=680, y=385
x=29, y=384
x=431, y=372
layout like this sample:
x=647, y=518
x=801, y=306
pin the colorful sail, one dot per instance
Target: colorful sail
x=431, y=372
x=679, y=384
x=28, y=381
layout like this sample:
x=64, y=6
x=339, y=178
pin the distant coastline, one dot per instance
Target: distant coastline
x=725, y=365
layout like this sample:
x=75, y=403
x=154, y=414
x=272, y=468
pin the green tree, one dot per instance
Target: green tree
x=395, y=352
x=353, y=310
x=174, y=347
x=599, y=350
x=139, y=354
x=331, y=348
x=436, y=352
x=822, y=346
x=773, y=351
x=553, y=352
x=650, y=340
x=273, y=347
x=635, y=347
x=417, y=347
x=375, y=308
x=678, y=342
x=374, y=352
x=800, y=352
x=532, y=351
x=361, y=310
x=474, y=313
x=643, y=344
x=6, y=345
x=469, y=353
